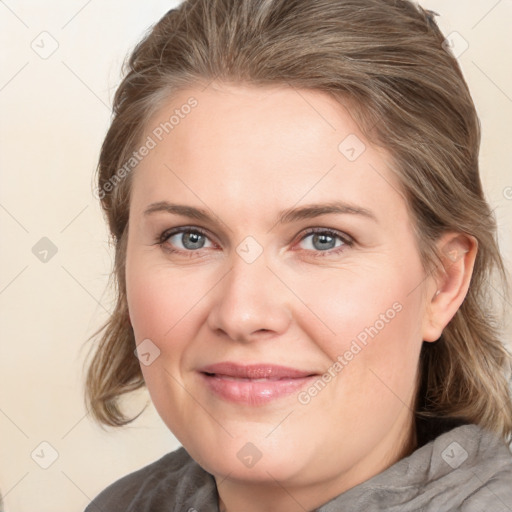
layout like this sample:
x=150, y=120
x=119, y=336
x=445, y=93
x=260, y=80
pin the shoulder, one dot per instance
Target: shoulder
x=173, y=482
x=483, y=463
x=467, y=469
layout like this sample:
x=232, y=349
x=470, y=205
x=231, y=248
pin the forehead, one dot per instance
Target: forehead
x=267, y=144
x=244, y=117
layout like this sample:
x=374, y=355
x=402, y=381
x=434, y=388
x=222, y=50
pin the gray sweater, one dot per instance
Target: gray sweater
x=465, y=469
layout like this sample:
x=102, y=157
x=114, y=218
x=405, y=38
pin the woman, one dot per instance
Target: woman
x=303, y=254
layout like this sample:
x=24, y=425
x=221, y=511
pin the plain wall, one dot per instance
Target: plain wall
x=54, y=114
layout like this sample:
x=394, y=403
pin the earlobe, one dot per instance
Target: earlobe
x=458, y=253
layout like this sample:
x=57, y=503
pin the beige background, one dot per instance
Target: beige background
x=55, y=112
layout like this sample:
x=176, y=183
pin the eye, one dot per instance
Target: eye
x=189, y=240
x=185, y=239
x=324, y=240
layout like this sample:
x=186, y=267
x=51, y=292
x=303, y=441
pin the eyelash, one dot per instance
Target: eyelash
x=347, y=241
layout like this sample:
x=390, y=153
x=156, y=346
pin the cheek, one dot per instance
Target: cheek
x=365, y=305
x=163, y=305
x=160, y=299
x=373, y=364
x=369, y=325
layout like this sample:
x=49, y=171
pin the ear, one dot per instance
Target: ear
x=449, y=287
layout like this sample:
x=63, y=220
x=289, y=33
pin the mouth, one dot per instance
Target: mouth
x=255, y=384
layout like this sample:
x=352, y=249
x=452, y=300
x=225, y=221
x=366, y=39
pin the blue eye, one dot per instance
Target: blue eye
x=190, y=239
x=325, y=241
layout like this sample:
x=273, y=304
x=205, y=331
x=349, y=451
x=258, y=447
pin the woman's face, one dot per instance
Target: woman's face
x=274, y=287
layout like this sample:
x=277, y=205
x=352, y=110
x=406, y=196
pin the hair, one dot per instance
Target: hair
x=388, y=61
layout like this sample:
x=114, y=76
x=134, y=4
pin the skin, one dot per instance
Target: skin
x=244, y=154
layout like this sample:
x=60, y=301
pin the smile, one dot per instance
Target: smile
x=256, y=384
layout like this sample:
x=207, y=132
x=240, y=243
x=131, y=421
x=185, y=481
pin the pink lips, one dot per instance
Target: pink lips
x=254, y=384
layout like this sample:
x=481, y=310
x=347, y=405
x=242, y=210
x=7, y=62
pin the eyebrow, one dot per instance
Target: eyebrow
x=285, y=216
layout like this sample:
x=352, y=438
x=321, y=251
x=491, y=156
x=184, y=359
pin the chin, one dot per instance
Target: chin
x=256, y=462
x=264, y=471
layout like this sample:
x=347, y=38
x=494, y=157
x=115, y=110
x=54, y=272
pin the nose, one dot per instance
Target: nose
x=250, y=303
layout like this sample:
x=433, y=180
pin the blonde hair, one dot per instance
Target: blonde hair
x=407, y=93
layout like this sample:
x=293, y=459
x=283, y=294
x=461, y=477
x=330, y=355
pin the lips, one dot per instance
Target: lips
x=255, y=384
